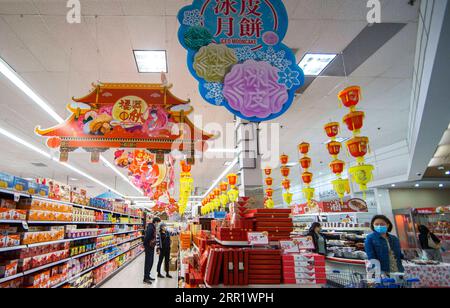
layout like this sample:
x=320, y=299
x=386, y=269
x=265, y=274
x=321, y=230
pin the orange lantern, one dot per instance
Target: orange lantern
x=285, y=171
x=185, y=167
x=269, y=192
x=358, y=147
x=334, y=148
x=337, y=166
x=269, y=181
x=268, y=171
x=54, y=142
x=304, y=148
x=286, y=184
x=350, y=97
x=223, y=186
x=163, y=186
x=354, y=121
x=332, y=129
x=305, y=162
x=232, y=179
x=216, y=192
x=307, y=177
x=284, y=159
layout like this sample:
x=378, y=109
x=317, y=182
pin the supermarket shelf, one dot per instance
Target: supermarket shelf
x=268, y=286
x=12, y=248
x=2, y=280
x=98, y=285
x=79, y=223
x=14, y=192
x=240, y=243
x=103, y=248
x=94, y=267
x=34, y=270
x=48, y=243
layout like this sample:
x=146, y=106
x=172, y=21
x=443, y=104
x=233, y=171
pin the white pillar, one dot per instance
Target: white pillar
x=384, y=205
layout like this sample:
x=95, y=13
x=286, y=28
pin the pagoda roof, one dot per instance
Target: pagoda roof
x=109, y=93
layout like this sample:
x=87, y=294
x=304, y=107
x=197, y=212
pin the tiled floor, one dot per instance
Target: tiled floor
x=132, y=276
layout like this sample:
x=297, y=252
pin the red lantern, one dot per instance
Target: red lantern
x=284, y=159
x=268, y=171
x=223, y=186
x=269, y=181
x=305, y=162
x=350, y=97
x=286, y=184
x=354, y=120
x=332, y=129
x=337, y=166
x=304, y=148
x=358, y=146
x=307, y=177
x=334, y=148
x=269, y=192
x=185, y=167
x=285, y=171
x=232, y=179
x=216, y=192
x=54, y=142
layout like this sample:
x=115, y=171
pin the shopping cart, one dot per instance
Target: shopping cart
x=356, y=280
x=390, y=283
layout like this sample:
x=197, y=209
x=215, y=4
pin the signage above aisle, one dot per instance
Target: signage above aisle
x=122, y=115
x=236, y=53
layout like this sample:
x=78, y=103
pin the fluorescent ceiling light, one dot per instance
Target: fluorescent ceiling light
x=151, y=61
x=447, y=173
x=47, y=155
x=417, y=185
x=227, y=163
x=11, y=74
x=441, y=185
x=313, y=64
x=393, y=185
x=339, y=139
x=292, y=164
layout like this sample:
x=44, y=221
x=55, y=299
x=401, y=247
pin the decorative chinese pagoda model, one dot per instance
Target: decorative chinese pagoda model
x=137, y=116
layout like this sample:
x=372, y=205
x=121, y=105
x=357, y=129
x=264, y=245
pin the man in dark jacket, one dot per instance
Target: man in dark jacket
x=149, y=245
x=165, y=243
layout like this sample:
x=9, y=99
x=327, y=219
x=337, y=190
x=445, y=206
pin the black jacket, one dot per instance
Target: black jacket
x=315, y=238
x=165, y=240
x=150, y=237
x=423, y=239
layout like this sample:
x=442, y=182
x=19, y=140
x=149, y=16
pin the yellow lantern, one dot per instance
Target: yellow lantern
x=308, y=192
x=224, y=199
x=341, y=187
x=233, y=194
x=287, y=197
x=269, y=204
x=362, y=175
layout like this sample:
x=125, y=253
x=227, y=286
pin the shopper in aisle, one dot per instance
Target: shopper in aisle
x=319, y=240
x=430, y=243
x=383, y=246
x=150, y=244
x=165, y=244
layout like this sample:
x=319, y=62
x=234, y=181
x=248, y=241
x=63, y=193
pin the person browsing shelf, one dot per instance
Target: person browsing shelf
x=319, y=240
x=149, y=245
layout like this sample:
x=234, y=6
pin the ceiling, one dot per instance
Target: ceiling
x=60, y=60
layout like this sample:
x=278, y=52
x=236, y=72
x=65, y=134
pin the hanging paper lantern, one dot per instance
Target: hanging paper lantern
x=332, y=129
x=269, y=192
x=362, y=175
x=358, y=147
x=341, y=187
x=286, y=184
x=308, y=193
x=185, y=167
x=269, y=181
x=305, y=162
x=269, y=204
x=355, y=121
x=54, y=142
x=285, y=171
x=287, y=197
x=232, y=179
x=304, y=148
x=223, y=186
x=284, y=159
x=350, y=97
x=337, y=166
x=307, y=177
x=334, y=148
x=268, y=171
x=233, y=194
x=216, y=192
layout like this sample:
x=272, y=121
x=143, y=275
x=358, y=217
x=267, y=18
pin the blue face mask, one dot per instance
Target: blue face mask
x=381, y=229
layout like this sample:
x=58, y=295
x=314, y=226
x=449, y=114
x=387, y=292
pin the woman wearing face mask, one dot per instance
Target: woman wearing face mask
x=383, y=246
x=320, y=242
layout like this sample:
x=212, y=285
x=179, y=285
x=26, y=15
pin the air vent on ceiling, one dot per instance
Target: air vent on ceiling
x=40, y=165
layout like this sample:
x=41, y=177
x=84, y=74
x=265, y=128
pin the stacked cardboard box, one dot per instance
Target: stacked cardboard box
x=304, y=269
x=264, y=266
x=276, y=222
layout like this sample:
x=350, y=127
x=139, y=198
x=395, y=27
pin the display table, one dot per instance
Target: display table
x=431, y=276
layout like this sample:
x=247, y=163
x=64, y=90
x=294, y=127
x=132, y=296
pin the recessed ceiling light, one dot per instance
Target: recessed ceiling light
x=313, y=64
x=441, y=168
x=74, y=179
x=151, y=61
x=441, y=185
x=447, y=173
x=393, y=185
x=417, y=185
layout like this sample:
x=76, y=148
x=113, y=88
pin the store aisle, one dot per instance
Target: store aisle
x=131, y=277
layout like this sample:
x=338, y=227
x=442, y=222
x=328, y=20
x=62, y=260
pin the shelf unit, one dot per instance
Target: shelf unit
x=18, y=195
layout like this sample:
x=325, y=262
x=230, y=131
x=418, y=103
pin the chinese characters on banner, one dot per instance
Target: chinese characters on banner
x=236, y=53
x=333, y=206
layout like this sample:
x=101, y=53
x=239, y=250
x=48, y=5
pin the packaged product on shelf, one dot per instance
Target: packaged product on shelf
x=304, y=269
x=45, y=234
x=101, y=204
x=8, y=204
x=12, y=214
x=37, y=189
x=6, y=181
x=79, y=196
x=8, y=268
x=20, y=184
